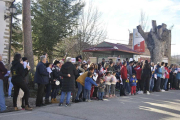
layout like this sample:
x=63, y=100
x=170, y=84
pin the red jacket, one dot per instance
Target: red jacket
x=167, y=75
x=138, y=72
x=123, y=72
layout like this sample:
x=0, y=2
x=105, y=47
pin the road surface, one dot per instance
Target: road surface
x=157, y=106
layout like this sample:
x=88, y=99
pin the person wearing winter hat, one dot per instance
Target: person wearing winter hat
x=56, y=81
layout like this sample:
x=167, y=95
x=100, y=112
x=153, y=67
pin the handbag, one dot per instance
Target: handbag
x=57, y=82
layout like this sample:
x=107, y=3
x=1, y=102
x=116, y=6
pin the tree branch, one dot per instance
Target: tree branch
x=142, y=32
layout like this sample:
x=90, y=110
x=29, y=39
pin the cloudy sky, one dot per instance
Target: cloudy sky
x=121, y=15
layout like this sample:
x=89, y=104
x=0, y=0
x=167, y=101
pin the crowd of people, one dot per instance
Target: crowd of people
x=85, y=81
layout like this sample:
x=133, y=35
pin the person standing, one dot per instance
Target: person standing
x=133, y=82
x=140, y=81
x=158, y=73
x=18, y=75
x=103, y=63
x=152, y=77
x=163, y=76
x=87, y=86
x=41, y=78
x=56, y=79
x=80, y=82
x=48, y=86
x=178, y=78
x=111, y=67
x=3, y=71
x=146, y=75
x=124, y=79
x=166, y=77
x=129, y=69
x=68, y=72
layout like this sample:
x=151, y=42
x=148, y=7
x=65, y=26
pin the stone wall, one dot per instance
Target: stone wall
x=4, y=29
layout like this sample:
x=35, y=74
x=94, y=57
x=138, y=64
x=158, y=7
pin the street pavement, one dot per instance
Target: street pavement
x=157, y=106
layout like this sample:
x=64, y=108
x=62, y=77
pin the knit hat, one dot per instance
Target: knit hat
x=56, y=62
x=24, y=59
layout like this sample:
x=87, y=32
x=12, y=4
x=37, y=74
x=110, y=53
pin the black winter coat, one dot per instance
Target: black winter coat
x=41, y=75
x=146, y=73
x=55, y=74
x=18, y=72
x=68, y=84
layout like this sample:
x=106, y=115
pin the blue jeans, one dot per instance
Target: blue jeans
x=87, y=94
x=151, y=84
x=2, y=99
x=63, y=96
x=100, y=94
x=10, y=86
x=79, y=90
x=165, y=84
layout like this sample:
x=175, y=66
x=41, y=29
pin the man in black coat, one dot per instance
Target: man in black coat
x=68, y=72
x=41, y=78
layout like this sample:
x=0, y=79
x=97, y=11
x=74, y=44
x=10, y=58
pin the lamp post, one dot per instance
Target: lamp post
x=13, y=11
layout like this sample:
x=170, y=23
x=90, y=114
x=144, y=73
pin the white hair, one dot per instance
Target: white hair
x=68, y=59
x=42, y=58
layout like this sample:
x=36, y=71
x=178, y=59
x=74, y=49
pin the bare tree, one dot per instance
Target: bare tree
x=27, y=36
x=156, y=39
x=144, y=21
x=90, y=30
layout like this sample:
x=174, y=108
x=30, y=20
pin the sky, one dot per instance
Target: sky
x=121, y=15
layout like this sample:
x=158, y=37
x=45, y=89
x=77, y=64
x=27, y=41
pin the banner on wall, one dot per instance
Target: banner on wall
x=138, y=41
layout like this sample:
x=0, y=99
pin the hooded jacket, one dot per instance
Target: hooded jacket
x=133, y=81
x=68, y=83
x=18, y=72
x=158, y=71
x=89, y=82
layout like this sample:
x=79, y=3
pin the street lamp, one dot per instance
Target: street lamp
x=13, y=11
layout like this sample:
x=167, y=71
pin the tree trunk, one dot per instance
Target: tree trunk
x=27, y=37
x=155, y=41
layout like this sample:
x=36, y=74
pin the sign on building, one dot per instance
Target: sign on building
x=138, y=41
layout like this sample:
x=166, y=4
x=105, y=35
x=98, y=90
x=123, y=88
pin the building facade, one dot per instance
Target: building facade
x=4, y=28
x=109, y=51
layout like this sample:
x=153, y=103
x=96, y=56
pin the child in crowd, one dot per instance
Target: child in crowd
x=133, y=82
x=101, y=88
x=108, y=83
x=88, y=84
x=113, y=84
